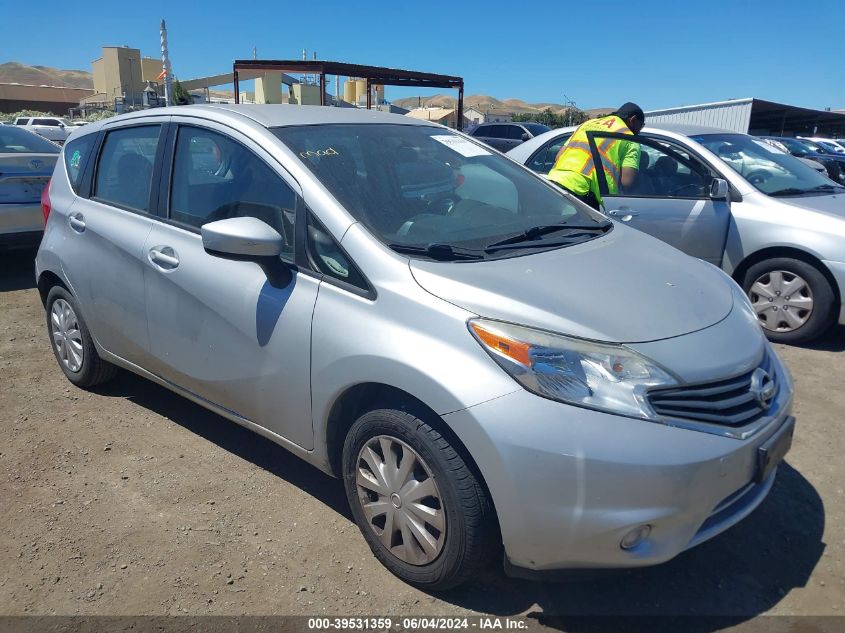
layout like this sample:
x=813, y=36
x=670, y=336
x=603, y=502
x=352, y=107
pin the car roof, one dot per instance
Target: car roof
x=279, y=115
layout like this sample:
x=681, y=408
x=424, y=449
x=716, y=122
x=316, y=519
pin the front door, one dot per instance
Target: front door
x=669, y=197
x=223, y=329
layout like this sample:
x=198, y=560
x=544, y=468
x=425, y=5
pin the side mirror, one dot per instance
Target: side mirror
x=249, y=238
x=719, y=189
x=525, y=136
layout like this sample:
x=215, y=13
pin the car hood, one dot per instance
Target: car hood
x=623, y=287
x=830, y=204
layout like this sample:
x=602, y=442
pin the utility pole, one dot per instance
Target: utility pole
x=165, y=63
x=570, y=105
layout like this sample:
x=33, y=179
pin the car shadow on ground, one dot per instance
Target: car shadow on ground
x=831, y=341
x=17, y=269
x=723, y=582
x=231, y=437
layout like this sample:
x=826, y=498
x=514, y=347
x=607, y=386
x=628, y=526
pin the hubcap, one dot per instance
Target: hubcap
x=401, y=500
x=67, y=338
x=783, y=300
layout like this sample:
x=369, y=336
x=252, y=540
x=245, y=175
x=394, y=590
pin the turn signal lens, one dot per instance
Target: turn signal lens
x=513, y=349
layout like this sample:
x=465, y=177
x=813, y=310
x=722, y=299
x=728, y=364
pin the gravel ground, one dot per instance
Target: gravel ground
x=132, y=500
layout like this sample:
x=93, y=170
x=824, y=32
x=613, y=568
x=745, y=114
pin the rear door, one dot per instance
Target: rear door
x=670, y=198
x=107, y=226
x=228, y=330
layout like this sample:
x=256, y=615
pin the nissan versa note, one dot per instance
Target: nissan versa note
x=488, y=364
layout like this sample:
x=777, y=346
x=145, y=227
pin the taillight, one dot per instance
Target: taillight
x=45, y=200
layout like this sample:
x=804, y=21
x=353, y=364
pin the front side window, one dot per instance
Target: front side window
x=416, y=185
x=767, y=168
x=666, y=170
x=125, y=167
x=47, y=122
x=215, y=177
x=515, y=132
x=537, y=128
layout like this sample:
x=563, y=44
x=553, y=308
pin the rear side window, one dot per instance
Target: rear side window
x=125, y=167
x=215, y=177
x=21, y=121
x=76, y=157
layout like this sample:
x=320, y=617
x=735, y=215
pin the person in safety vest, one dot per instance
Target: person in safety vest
x=575, y=169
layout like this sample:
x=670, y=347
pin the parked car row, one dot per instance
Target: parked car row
x=772, y=223
x=492, y=367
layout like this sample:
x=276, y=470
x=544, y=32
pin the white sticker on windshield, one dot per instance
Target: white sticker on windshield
x=769, y=148
x=461, y=145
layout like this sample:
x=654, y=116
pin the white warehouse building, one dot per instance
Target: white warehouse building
x=755, y=116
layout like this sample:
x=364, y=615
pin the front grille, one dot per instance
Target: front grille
x=730, y=402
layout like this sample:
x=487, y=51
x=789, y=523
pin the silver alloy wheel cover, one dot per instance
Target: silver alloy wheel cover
x=67, y=339
x=400, y=500
x=782, y=300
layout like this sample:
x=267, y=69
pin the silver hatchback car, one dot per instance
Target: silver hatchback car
x=488, y=365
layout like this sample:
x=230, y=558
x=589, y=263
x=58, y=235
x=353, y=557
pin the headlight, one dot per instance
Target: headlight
x=599, y=376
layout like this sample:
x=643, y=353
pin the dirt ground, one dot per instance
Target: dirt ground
x=132, y=500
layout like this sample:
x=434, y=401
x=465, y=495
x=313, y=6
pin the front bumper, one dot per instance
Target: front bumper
x=571, y=483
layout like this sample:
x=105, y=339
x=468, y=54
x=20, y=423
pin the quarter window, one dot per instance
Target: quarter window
x=125, y=167
x=76, y=156
x=328, y=258
x=215, y=177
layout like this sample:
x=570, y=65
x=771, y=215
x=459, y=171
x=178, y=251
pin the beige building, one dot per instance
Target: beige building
x=122, y=72
x=444, y=116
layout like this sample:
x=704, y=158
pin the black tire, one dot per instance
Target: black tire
x=93, y=370
x=471, y=530
x=823, y=313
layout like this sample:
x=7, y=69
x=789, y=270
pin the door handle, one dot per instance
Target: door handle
x=163, y=257
x=76, y=221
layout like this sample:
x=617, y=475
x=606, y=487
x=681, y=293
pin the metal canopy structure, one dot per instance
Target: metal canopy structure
x=375, y=75
x=755, y=116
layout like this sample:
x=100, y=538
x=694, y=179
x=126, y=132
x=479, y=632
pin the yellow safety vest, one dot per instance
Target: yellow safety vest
x=575, y=168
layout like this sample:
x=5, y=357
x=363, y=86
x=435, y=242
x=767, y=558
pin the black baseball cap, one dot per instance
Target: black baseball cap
x=627, y=110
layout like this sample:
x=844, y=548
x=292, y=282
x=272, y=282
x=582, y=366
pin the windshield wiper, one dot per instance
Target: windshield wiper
x=790, y=191
x=443, y=252
x=826, y=188
x=535, y=232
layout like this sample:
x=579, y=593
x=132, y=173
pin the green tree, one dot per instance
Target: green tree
x=180, y=95
x=570, y=116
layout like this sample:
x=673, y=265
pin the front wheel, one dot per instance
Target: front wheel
x=793, y=300
x=419, y=506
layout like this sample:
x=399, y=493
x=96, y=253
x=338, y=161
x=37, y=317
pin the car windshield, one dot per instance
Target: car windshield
x=418, y=186
x=764, y=166
x=17, y=141
x=536, y=128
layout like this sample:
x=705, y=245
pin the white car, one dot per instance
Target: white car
x=831, y=145
x=52, y=128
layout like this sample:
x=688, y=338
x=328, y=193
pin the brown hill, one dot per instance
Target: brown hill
x=486, y=103
x=17, y=73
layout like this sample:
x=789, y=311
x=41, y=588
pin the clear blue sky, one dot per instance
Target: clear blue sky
x=659, y=53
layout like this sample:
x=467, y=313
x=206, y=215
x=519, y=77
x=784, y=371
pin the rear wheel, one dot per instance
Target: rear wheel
x=71, y=341
x=419, y=506
x=793, y=300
